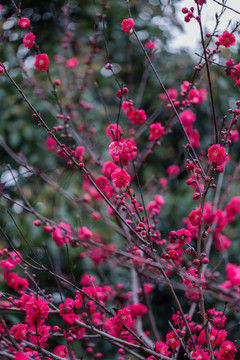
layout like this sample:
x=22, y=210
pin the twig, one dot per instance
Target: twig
x=208, y=76
x=227, y=7
x=165, y=91
x=83, y=169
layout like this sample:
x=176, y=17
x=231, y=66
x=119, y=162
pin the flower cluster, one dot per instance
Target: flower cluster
x=121, y=178
x=137, y=117
x=62, y=234
x=36, y=310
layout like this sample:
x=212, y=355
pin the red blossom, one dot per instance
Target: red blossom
x=178, y=320
x=51, y=144
x=121, y=178
x=202, y=95
x=195, y=217
x=193, y=96
x=128, y=108
x=66, y=307
x=108, y=168
x=230, y=63
x=137, y=310
x=24, y=22
x=172, y=93
x=200, y=354
x=128, y=152
x=19, y=331
x=15, y=282
x=188, y=118
x=233, y=207
x=22, y=300
x=148, y=288
x=29, y=40
x=234, y=135
x=192, y=285
x=67, y=312
x=221, y=242
x=184, y=87
x=217, y=337
x=129, y=146
x=21, y=356
x=235, y=72
x=78, y=332
x=156, y=131
x=183, y=236
x=62, y=234
x=172, y=340
x=101, y=182
x=112, y=129
x=193, y=137
x=173, y=170
x=78, y=300
x=71, y=63
x=208, y=214
x=122, y=318
x=121, y=93
x=98, y=254
x=11, y=262
x=36, y=311
x=227, y=351
x=233, y=274
x=137, y=117
x=216, y=318
x=115, y=148
x=79, y=152
x=41, y=62
x=127, y=25
x=162, y=348
x=87, y=280
x=84, y=233
x=217, y=154
x=226, y=39
x=61, y=351
x=42, y=335
x=150, y=45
